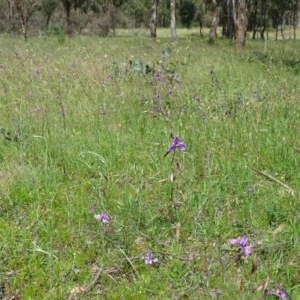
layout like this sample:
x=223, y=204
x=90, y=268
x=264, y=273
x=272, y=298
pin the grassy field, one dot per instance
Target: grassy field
x=87, y=195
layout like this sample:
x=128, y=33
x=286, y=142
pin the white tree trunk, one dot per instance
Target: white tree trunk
x=214, y=23
x=173, y=22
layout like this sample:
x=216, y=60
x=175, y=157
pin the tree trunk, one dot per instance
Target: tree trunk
x=67, y=6
x=228, y=21
x=23, y=15
x=173, y=22
x=153, y=19
x=240, y=20
x=48, y=20
x=252, y=22
x=264, y=16
x=200, y=27
x=24, y=28
x=214, y=23
x=11, y=6
x=295, y=17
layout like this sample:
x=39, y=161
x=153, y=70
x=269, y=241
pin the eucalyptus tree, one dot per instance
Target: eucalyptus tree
x=48, y=8
x=173, y=22
x=277, y=11
x=258, y=16
x=295, y=15
x=214, y=22
x=153, y=19
x=163, y=14
x=105, y=9
x=262, y=12
x=135, y=12
x=240, y=21
x=200, y=13
x=265, y=6
x=285, y=13
x=253, y=14
x=68, y=4
x=234, y=20
x=187, y=12
x=11, y=14
x=226, y=19
x=24, y=10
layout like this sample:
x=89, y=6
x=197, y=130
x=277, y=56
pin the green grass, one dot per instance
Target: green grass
x=73, y=137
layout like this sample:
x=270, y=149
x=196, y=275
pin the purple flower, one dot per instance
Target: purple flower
x=241, y=242
x=103, y=217
x=149, y=260
x=177, y=144
x=280, y=293
x=250, y=188
x=157, y=76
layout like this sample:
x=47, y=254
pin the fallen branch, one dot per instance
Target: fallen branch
x=292, y=191
x=80, y=290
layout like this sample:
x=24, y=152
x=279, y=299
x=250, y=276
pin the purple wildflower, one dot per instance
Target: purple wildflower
x=280, y=293
x=250, y=188
x=157, y=76
x=177, y=144
x=149, y=260
x=103, y=217
x=241, y=242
